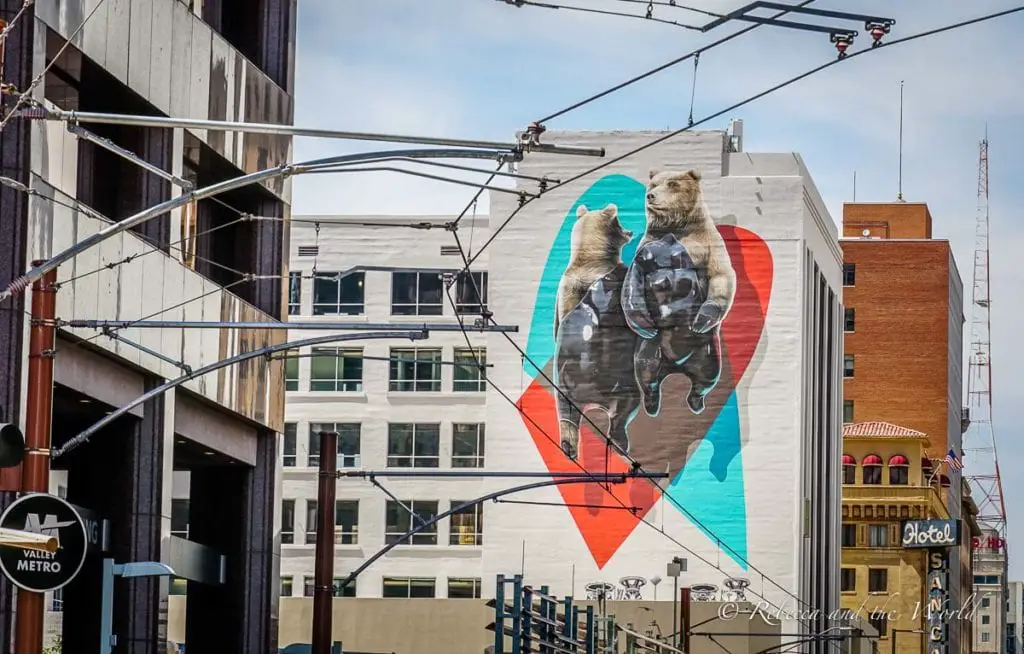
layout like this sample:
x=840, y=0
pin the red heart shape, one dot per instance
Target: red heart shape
x=606, y=516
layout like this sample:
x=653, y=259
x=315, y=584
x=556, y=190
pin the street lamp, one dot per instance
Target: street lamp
x=676, y=566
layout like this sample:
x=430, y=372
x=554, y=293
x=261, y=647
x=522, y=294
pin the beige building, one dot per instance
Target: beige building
x=453, y=626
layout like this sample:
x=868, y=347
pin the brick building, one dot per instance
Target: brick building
x=903, y=343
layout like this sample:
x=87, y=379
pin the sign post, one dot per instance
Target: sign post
x=47, y=515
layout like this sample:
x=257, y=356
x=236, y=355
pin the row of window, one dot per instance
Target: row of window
x=871, y=470
x=458, y=587
x=877, y=535
x=410, y=445
x=467, y=525
x=410, y=370
x=413, y=293
x=878, y=580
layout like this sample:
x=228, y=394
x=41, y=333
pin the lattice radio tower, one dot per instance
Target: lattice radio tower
x=980, y=459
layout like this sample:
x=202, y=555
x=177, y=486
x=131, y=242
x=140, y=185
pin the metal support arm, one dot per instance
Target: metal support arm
x=589, y=479
x=83, y=437
x=333, y=326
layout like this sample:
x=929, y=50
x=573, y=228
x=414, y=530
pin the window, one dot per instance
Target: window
x=467, y=525
x=413, y=446
x=984, y=602
x=291, y=370
x=335, y=369
x=57, y=601
x=289, y=456
x=849, y=473
x=399, y=521
x=878, y=536
x=338, y=294
x=878, y=580
x=849, y=320
x=179, y=518
x=417, y=294
x=308, y=586
x=985, y=637
x=880, y=622
x=346, y=522
x=349, y=590
x=62, y=493
x=466, y=298
x=849, y=274
x=349, y=437
x=463, y=588
x=469, y=370
x=287, y=522
x=848, y=365
x=415, y=370
x=409, y=587
x=286, y=586
x=294, y=293
x=178, y=586
x=847, y=580
x=311, y=511
x=847, y=411
x=849, y=535
x=468, y=445
x=872, y=474
x=899, y=475
x=985, y=619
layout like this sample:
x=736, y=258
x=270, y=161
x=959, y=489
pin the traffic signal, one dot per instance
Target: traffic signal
x=12, y=445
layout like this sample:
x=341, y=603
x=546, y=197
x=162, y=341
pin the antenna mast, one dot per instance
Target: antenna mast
x=980, y=459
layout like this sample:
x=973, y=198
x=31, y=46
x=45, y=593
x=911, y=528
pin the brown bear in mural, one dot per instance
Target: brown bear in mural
x=678, y=291
x=593, y=366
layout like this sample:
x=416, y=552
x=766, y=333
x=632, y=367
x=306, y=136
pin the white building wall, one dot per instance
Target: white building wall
x=771, y=196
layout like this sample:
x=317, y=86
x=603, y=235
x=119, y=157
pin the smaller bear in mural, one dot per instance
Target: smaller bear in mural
x=678, y=291
x=593, y=365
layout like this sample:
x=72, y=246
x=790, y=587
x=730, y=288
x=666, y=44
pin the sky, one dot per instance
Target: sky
x=482, y=69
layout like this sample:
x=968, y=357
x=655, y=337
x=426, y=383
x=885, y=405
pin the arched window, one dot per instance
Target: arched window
x=872, y=465
x=849, y=469
x=899, y=470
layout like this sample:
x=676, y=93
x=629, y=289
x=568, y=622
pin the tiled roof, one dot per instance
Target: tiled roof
x=879, y=428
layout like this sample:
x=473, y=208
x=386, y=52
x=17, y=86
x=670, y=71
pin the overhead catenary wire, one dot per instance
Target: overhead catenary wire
x=26, y=94
x=608, y=12
x=664, y=66
x=469, y=261
x=768, y=91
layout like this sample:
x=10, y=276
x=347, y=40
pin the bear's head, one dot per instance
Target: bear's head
x=674, y=196
x=598, y=235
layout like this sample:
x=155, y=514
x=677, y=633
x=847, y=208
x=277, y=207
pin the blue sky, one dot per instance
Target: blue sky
x=483, y=69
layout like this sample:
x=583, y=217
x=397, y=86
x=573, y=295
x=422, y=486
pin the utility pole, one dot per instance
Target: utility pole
x=323, y=581
x=35, y=477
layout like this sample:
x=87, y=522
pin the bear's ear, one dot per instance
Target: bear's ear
x=610, y=211
x=653, y=172
x=580, y=210
x=693, y=174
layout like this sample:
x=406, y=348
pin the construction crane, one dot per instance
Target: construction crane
x=980, y=457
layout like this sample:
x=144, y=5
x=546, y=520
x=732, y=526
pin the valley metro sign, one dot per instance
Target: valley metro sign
x=43, y=569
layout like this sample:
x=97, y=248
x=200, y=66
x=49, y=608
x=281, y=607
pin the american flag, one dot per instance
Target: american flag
x=952, y=460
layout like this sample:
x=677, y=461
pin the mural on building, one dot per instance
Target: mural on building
x=648, y=312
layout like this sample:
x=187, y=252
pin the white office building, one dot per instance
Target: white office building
x=762, y=453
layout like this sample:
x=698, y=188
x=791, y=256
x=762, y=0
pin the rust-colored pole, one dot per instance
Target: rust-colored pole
x=684, y=619
x=323, y=575
x=35, y=478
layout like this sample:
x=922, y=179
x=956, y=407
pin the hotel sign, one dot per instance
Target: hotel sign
x=931, y=534
x=938, y=600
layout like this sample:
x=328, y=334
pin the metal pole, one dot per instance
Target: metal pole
x=83, y=437
x=107, y=608
x=333, y=326
x=675, y=611
x=291, y=130
x=433, y=472
x=162, y=208
x=684, y=635
x=38, y=425
x=323, y=595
